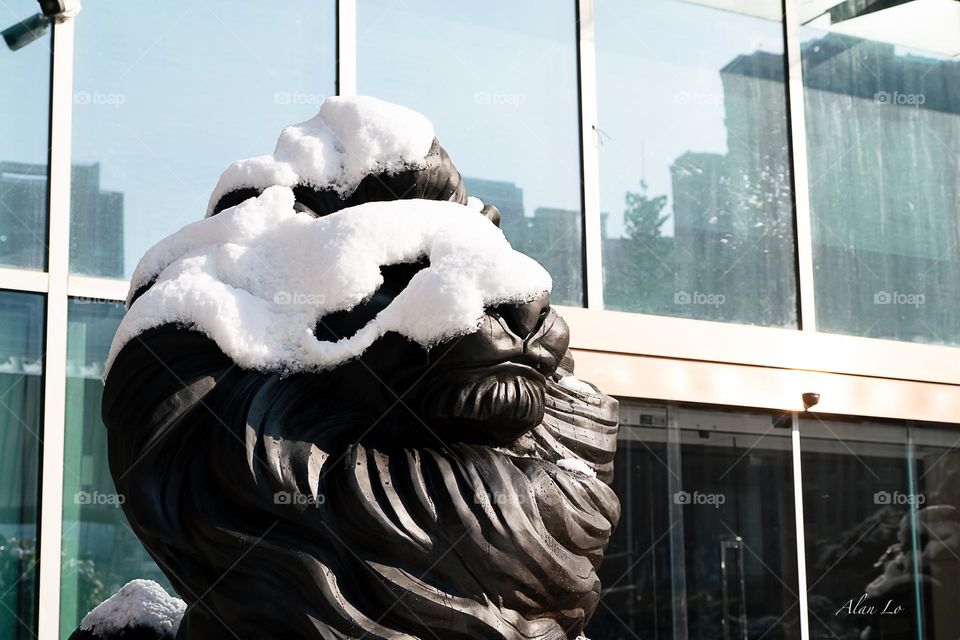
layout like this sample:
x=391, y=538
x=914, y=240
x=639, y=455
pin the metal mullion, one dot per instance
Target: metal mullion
x=799, y=524
x=97, y=289
x=55, y=359
x=803, y=237
x=23, y=280
x=708, y=341
x=675, y=506
x=346, y=47
x=589, y=158
x=800, y=170
x=916, y=545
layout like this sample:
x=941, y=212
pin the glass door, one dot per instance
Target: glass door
x=706, y=547
x=934, y=453
x=882, y=529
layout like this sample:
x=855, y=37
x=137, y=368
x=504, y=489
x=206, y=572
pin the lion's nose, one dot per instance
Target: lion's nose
x=523, y=319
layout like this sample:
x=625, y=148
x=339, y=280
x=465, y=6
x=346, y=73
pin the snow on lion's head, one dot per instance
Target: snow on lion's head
x=341, y=405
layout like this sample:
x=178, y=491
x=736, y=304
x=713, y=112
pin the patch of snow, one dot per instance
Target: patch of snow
x=257, y=277
x=141, y=603
x=577, y=465
x=350, y=138
x=574, y=383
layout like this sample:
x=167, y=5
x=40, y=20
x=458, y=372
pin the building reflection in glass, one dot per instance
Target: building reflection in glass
x=705, y=548
x=21, y=388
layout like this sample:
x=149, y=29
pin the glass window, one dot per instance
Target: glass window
x=160, y=113
x=933, y=453
x=880, y=505
x=100, y=551
x=25, y=94
x=499, y=82
x=706, y=545
x=695, y=184
x=21, y=387
x=883, y=148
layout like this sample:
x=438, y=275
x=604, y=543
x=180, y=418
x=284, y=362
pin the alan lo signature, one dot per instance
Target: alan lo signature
x=861, y=607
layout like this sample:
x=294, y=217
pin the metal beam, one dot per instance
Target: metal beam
x=55, y=359
x=801, y=184
x=346, y=47
x=589, y=158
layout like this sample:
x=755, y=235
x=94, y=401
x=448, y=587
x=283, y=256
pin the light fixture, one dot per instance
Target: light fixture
x=33, y=28
x=26, y=31
x=810, y=400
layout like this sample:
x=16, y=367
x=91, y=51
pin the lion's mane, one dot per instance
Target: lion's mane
x=283, y=508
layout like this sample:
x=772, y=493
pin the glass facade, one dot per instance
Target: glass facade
x=100, y=552
x=25, y=94
x=883, y=128
x=697, y=216
x=695, y=185
x=880, y=503
x=154, y=126
x=707, y=548
x=507, y=111
x=708, y=545
x=21, y=375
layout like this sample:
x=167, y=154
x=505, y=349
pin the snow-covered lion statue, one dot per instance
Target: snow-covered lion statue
x=341, y=406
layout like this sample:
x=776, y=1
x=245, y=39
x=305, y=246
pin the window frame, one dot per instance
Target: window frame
x=627, y=354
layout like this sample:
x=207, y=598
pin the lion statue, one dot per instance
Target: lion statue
x=418, y=462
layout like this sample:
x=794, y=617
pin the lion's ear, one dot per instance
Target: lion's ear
x=491, y=213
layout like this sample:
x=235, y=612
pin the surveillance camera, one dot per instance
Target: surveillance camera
x=26, y=31
x=33, y=28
